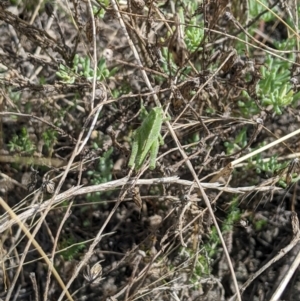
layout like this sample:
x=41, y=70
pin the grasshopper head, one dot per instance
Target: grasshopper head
x=158, y=111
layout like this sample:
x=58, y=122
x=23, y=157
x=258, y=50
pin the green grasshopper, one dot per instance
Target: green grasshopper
x=147, y=139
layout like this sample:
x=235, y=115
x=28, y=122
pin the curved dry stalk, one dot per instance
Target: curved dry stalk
x=187, y=162
x=281, y=287
x=5, y=223
x=232, y=53
x=66, y=215
x=38, y=248
x=90, y=251
x=228, y=169
x=278, y=17
x=271, y=52
x=94, y=53
x=79, y=146
x=280, y=254
x=292, y=268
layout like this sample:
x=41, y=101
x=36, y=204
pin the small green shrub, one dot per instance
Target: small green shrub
x=21, y=143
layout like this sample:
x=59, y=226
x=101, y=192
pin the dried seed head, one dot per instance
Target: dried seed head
x=93, y=275
x=293, y=165
x=29, y=179
x=228, y=16
x=294, y=81
x=137, y=197
x=177, y=45
x=295, y=223
x=89, y=30
x=49, y=9
x=137, y=4
x=6, y=185
x=108, y=54
x=50, y=187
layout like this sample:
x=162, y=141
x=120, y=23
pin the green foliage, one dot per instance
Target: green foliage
x=101, y=12
x=210, y=248
x=49, y=137
x=247, y=105
x=101, y=174
x=15, y=96
x=82, y=67
x=239, y=142
x=270, y=167
x=194, y=34
x=195, y=137
x=104, y=3
x=292, y=178
x=274, y=88
x=202, y=267
x=234, y=215
x=260, y=224
x=66, y=74
x=70, y=248
x=167, y=64
x=21, y=143
x=256, y=8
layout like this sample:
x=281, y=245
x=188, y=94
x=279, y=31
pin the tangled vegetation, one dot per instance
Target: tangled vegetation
x=149, y=150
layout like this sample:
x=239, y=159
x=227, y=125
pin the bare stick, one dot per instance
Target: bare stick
x=78, y=190
x=187, y=162
x=38, y=248
x=94, y=53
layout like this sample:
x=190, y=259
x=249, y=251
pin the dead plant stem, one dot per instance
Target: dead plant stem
x=38, y=248
x=188, y=162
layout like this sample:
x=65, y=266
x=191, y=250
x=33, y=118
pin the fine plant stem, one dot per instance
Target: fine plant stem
x=97, y=239
x=260, y=150
x=38, y=248
x=76, y=191
x=94, y=53
x=280, y=19
x=287, y=277
x=67, y=214
x=228, y=169
x=280, y=254
x=168, y=196
x=187, y=162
